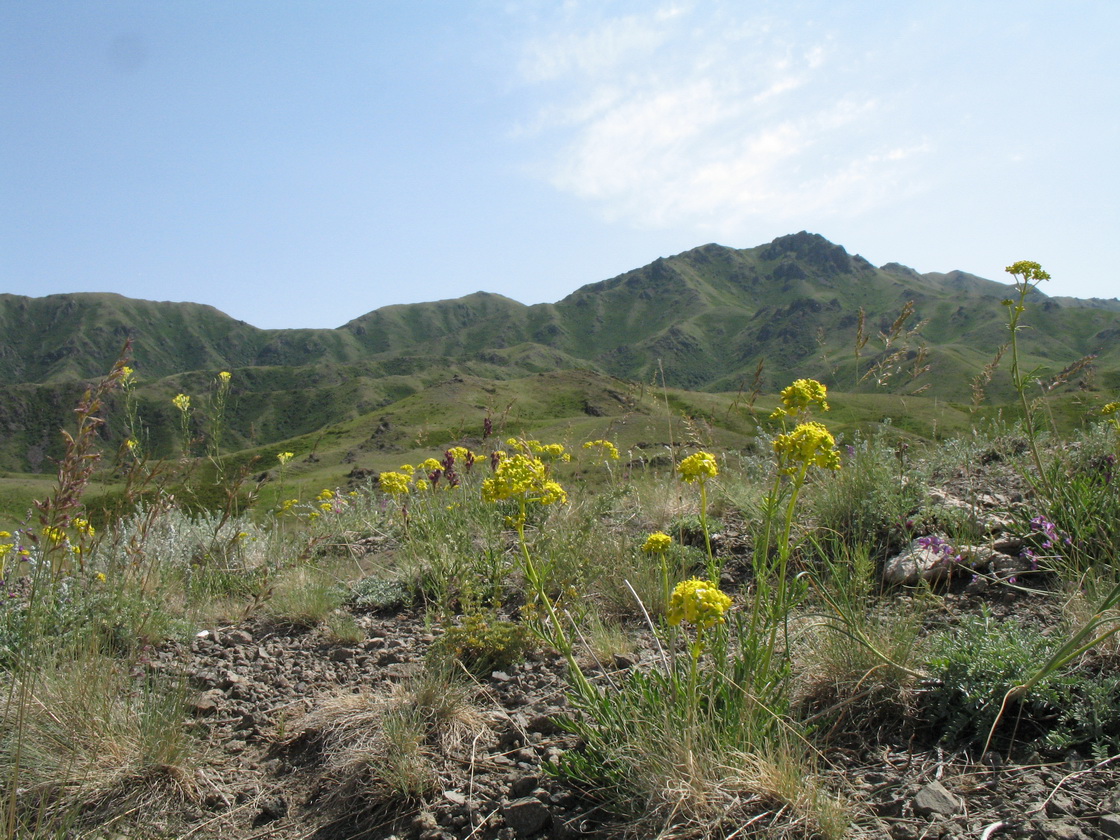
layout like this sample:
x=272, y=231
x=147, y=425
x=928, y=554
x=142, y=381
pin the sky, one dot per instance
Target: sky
x=299, y=164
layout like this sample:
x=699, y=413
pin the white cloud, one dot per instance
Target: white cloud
x=677, y=117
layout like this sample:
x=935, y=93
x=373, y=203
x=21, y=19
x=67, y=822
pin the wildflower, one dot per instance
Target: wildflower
x=941, y=547
x=326, y=507
x=801, y=395
x=285, y=457
x=552, y=493
x=699, y=466
x=699, y=603
x=810, y=444
x=459, y=453
x=1111, y=408
x=54, y=535
x=126, y=374
x=406, y=469
x=549, y=451
x=522, y=476
x=1028, y=270
x=100, y=576
x=607, y=450
x=225, y=376
x=181, y=402
x=242, y=535
x=83, y=527
x=657, y=542
x=394, y=483
x=325, y=494
x=431, y=465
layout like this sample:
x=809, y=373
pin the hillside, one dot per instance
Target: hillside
x=703, y=320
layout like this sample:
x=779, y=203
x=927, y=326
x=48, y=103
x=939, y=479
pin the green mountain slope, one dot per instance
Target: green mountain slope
x=702, y=320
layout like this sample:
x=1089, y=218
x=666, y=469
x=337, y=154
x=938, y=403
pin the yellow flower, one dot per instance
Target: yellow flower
x=394, y=483
x=407, y=469
x=181, y=402
x=225, y=376
x=699, y=466
x=1111, y=408
x=4, y=535
x=326, y=507
x=325, y=494
x=607, y=450
x=524, y=476
x=804, y=393
x=285, y=457
x=552, y=493
x=811, y=444
x=515, y=476
x=697, y=602
x=242, y=535
x=100, y=577
x=54, y=535
x=126, y=374
x=82, y=526
x=657, y=542
x=430, y=465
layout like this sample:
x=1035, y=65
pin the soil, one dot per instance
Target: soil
x=253, y=685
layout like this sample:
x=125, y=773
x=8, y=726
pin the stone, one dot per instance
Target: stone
x=916, y=563
x=234, y=638
x=1109, y=825
x=206, y=703
x=526, y=816
x=933, y=799
x=1061, y=831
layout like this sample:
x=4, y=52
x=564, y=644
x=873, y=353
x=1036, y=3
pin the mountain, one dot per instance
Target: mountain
x=700, y=320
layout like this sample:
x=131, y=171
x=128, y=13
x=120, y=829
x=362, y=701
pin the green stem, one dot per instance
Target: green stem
x=713, y=572
x=1017, y=310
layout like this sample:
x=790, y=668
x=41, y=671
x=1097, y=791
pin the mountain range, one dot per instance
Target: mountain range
x=709, y=319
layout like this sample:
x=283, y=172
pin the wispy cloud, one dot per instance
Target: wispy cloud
x=704, y=116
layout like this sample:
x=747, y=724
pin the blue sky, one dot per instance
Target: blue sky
x=298, y=164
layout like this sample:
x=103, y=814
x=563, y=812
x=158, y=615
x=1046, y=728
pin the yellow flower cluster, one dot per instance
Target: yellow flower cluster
x=324, y=495
x=127, y=374
x=394, y=483
x=522, y=476
x=181, y=402
x=607, y=450
x=809, y=443
x=54, y=535
x=657, y=542
x=285, y=457
x=225, y=376
x=1111, y=408
x=699, y=603
x=546, y=451
x=699, y=466
x=801, y=395
x=83, y=527
x=430, y=465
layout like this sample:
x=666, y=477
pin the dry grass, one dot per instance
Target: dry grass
x=385, y=747
x=86, y=738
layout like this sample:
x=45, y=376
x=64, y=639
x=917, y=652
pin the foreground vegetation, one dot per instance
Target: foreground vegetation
x=753, y=576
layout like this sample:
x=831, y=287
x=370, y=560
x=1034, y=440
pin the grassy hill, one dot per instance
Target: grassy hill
x=710, y=325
